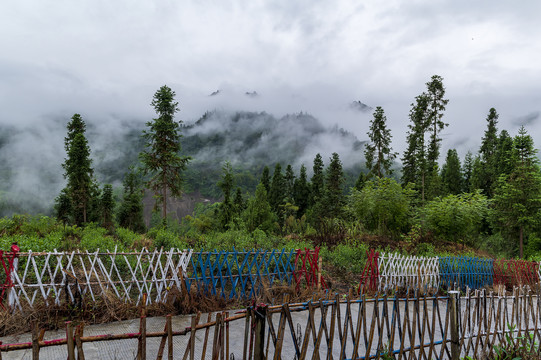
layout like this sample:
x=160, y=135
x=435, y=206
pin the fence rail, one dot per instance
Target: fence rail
x=54, y=277
x=414, y=327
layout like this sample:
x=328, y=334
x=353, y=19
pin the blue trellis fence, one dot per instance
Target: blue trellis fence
x=465, y=272
x=244, y=274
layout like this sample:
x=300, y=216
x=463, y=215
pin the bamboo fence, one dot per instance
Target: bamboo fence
x=336, y=327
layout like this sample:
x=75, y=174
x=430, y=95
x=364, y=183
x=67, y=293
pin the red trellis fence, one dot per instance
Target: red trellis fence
x=516, y=272
x=370, y=274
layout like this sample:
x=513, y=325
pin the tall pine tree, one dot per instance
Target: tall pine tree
x=378, y=153
x=436, y=107
x=161, y=158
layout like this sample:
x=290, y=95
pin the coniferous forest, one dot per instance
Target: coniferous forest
x=419, y=201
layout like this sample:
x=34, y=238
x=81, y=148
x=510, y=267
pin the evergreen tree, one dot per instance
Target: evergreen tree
x=161, y=157
x=289, y=181
x=517, y=197
x=361, y=181
x=74, y=127
x=317, y=180
x=131, y=212
x=487, y=152
x=258, y=213
x=277, y=194
x=414, y=161
x=238, y=202
x=79, y=172
x=436, y=107
x=302, y=192
x=451, y=174
x=378, y=153
x=504, y=152
x=265, y=179
x=63, y=208
x=226, y=208
x=476, y=178
x=334, y=198
x=468, y=168
x=77, y=202
x=107, y=207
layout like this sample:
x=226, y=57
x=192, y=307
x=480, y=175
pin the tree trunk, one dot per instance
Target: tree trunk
x=521, y=244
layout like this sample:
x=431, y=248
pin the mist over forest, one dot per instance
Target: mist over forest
x=31, y=175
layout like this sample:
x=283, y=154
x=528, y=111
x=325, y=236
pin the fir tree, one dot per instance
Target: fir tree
x=317, y=180
x=302, y=192
x=436, y=107
x=504, y=153
x=161, y=157
x=487, y=152
x=107, y=207
x=468, y=168
x=131, y=212
x=517, y=198
x=378, y=153
x=277, y=194
x=334, y=198
x=451, y=174
x=414, y=161
x=226, y=208
x=79, y=173
x=289, y=181
x=265, y=178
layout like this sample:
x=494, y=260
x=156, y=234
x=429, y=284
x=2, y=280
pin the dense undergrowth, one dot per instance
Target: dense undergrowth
x=343, y=259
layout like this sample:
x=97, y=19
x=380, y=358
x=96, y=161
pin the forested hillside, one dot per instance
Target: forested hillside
x=269, y=180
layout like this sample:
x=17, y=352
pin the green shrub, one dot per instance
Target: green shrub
x=349, y=256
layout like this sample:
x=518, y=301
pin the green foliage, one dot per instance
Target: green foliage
x=382, y=206
x=456, y=217
x=258, y=213
x=349, y=256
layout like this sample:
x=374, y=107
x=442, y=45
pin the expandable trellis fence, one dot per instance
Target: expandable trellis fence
x=54, y=277
x=385, y=271
x=477, y=325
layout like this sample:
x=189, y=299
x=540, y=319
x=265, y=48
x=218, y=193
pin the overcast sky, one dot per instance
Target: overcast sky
x=105, y=59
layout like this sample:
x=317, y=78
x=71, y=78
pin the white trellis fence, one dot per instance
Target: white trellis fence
x=54, y=276
x=396, y=270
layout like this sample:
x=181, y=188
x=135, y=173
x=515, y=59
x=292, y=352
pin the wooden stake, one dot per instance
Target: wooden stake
x=78, y=334
x=204, y=351
x=169, y=325
x=35, y=341
x=455, y=345
x=69, y=337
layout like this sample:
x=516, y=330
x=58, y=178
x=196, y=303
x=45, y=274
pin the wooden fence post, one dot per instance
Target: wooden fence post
x=71, y=344
x=455, y=341
x=35, y=341
x=260, y=317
